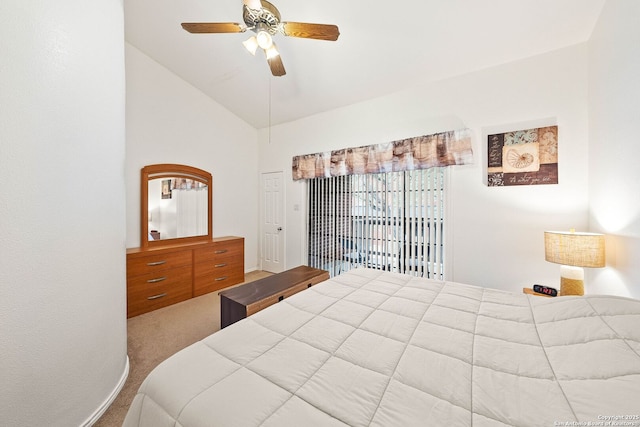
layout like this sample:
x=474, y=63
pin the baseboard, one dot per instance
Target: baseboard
x=109, y=400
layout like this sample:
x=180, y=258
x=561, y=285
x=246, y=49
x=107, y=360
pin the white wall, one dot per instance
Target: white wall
x=497, y=233
x=63, y=343
x=169, y=121
x=614, y=146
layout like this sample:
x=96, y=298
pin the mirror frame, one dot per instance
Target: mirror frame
x=168, y=170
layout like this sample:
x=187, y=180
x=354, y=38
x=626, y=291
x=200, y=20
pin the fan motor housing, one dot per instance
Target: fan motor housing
x=267, y=18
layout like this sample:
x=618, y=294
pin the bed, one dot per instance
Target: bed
x=374, y=348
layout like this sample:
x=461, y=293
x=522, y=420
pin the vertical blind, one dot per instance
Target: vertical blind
x=390, y=221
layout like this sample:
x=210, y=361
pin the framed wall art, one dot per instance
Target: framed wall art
x=166, y=189
x=523, y=157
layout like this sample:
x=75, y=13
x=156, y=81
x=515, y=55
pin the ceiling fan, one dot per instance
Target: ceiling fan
x=263, y=18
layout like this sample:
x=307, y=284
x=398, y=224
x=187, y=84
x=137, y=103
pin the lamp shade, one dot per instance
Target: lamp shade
x=575, y=249
x=264, y=39
x=251, y=44
x=271, y=52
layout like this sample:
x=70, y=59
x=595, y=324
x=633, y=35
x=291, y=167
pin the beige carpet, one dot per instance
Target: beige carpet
x=154, y=336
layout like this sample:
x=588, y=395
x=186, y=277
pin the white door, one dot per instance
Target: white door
x=273, y=233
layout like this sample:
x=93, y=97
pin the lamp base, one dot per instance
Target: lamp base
x=571, y=280
x=571, y=286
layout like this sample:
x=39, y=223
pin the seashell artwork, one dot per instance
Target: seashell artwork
x=518, y=160
x=523, y=157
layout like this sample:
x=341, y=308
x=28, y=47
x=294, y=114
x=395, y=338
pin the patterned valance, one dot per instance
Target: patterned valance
x=421, y=152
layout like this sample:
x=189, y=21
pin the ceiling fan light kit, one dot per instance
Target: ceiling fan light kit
x=264, y=39
x=271, y=52
x=263, y=18
x=251, y=44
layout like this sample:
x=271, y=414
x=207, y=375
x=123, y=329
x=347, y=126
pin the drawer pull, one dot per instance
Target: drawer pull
x=218, y=279
x=159, y=279
x=280, y=298
x=152, y=264
x=157, y=296
x=220, y=265
x=221, y=251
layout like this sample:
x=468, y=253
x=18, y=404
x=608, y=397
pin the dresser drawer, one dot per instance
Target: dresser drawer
x=218, y=266
x=155, y=263
x=220, y=252
x=205, y=283
x=152, y=291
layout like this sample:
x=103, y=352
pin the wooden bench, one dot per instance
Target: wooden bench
x=245, y=300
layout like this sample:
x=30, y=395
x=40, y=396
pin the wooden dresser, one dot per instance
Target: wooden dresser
x=158, y=277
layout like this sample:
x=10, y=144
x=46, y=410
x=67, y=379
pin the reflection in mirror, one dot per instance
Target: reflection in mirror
x=176, y=205
x=177, y=208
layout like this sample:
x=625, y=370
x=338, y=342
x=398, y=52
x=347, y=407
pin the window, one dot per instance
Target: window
x=389, y=221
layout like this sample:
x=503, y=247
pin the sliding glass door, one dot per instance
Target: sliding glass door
x=389, y=221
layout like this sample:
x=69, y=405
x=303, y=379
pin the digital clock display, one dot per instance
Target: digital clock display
x=545, y=290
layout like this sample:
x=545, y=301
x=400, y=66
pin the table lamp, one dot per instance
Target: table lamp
x=573, y=251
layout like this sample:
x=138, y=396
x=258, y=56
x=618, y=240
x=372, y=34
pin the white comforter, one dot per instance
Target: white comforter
x=371, y=348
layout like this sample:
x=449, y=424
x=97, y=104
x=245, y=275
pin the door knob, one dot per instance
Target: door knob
x=279, y=228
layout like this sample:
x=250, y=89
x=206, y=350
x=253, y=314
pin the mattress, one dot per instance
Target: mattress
x=373, y=348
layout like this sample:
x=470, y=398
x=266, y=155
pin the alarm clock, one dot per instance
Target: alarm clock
x=545, y=290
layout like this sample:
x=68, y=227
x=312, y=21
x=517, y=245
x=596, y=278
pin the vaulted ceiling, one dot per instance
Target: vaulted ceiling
x=383, y=47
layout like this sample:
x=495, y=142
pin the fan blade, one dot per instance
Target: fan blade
x=311, y=31
x=276, y=65
x=213, y=27
x=253, y=4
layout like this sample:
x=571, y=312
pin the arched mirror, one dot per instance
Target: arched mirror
x=176, y=205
